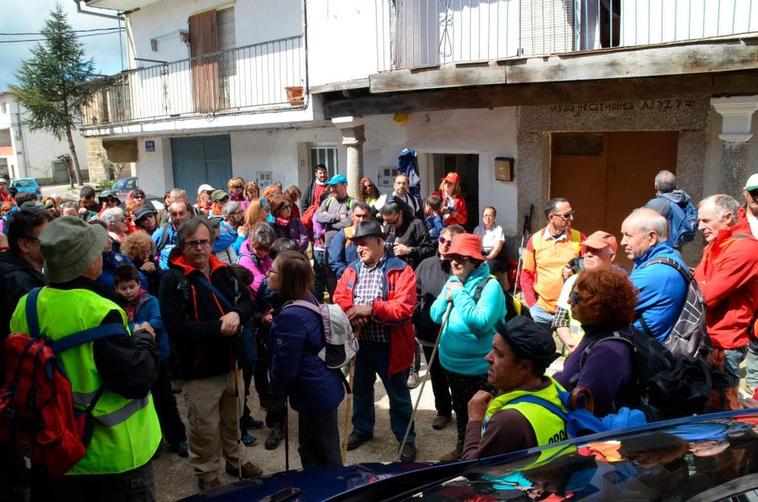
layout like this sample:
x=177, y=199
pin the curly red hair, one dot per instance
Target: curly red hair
x=606, y=297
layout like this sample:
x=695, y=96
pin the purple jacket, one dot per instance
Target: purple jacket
x=607, y=372
x=295, y=231
x=258, y=266
x=295, y=338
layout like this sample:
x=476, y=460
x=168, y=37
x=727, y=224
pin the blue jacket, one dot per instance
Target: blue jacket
x=339, y=255
x=149, y=311
x=168, y=246
x=113, y=260
x=227, y=237
x=295, y=338
x=434, y=226
x=467, y=337
x=662, y=290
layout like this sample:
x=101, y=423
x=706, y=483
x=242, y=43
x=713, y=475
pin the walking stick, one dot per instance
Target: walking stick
x=286, y=436
x=236, y=374
x=423, y=383
x=525, y=231
x=348, y=411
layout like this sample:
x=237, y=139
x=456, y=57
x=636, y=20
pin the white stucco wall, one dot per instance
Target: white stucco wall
x=154, y=168
x=41, y=149
x=255, y=21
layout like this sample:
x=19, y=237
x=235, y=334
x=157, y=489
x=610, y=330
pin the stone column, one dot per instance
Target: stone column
x=353, y=137
x=737, y=114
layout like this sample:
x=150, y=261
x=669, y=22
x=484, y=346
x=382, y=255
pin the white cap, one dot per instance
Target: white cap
x=752, y=182
x=205, y=187
x=3, y=180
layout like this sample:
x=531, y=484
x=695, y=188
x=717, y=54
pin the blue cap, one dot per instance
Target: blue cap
x=337, y=179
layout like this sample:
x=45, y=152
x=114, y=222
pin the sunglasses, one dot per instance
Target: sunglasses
x=458, y=258
x=574, y=298
x=754, y=194
x=566, y=216
x=445, y=242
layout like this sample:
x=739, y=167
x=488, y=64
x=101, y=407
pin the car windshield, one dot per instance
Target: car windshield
x=717, y=458
x=24, y=183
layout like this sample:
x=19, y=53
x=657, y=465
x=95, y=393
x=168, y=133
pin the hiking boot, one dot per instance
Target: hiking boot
x=440, y=422
x=274, y=438
x=355, y=439
x=180, y=449
x=249, y=470
x=408, y=453
x=248, y=422
x=413, y=380
x=206, y=486
x=248, y=439
x=453, y=455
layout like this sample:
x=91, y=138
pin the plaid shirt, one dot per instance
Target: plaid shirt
x=368, y=288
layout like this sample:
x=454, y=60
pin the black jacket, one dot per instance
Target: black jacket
x=431, y=276
x=17, y=278
x=412, y=233
x=191, y=313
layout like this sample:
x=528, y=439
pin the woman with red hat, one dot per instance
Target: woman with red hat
x=453, y=206
x=475, y=302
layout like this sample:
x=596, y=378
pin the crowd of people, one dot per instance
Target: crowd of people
x=223, y=294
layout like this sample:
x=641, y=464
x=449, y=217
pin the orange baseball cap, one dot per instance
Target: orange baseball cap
x=600, y=239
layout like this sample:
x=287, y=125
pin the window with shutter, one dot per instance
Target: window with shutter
x=227, y=58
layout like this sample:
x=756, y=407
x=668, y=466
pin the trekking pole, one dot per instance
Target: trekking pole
x=526, y=229
x=423, y=383
x=237, y=396
x=348, y=410
x=286, y=435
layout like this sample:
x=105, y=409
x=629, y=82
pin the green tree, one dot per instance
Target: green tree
x=53, y=82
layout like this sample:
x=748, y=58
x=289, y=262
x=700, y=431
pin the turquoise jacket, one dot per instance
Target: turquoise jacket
x=468, y=334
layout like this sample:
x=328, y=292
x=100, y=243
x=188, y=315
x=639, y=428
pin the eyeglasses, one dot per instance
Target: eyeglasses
x=754, y=194
x=445, y=242
x=569, y=215
x=199, y=243
x=458, y=258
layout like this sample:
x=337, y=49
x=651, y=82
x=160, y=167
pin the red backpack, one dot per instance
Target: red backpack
x=38, y=420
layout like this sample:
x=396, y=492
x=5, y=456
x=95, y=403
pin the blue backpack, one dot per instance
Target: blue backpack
x=580, y=422
x=681, y=215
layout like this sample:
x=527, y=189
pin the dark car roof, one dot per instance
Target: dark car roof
x=713, y=456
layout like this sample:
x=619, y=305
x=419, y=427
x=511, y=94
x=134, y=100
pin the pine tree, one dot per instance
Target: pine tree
x=53, y=83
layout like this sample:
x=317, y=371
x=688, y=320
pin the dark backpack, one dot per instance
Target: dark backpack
x=38, y=421
x=688, y=337
x=664, y=386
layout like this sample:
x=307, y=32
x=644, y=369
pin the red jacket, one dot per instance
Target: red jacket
x=459, y=208
x=728, y=277
x=394, y=310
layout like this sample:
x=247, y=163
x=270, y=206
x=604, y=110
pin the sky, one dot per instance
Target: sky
x=28, y=16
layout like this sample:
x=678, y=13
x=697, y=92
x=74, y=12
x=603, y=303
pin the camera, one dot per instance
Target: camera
x=576, y=265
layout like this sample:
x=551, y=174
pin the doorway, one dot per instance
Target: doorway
x=607, y=175
x=201, y=159
x=467, y=166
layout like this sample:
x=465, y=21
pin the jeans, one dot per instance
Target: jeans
x=752, y=365
x=726, y=381
x=319, y=267
x=373, y=359
x=541, y=316
x=319, y=439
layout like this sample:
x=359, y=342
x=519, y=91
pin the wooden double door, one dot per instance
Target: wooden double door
x=607, y=175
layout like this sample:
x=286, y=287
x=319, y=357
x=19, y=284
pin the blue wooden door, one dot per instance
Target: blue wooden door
x=201, y=159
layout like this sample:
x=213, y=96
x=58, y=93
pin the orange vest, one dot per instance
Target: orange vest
x=546, y=261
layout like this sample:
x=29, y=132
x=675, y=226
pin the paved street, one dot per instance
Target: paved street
x=174, y=478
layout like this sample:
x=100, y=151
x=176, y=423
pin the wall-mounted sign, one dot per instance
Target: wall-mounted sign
x=504, y=169
x=150, y=145
x=264, y=179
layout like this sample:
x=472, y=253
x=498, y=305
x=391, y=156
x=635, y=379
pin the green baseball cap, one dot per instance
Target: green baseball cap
x=752, y=183
x=70, y=246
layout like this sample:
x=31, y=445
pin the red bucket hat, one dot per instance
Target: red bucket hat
x=469, y=245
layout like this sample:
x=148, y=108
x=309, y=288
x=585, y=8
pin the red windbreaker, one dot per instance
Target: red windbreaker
x=728, y=277
x=394, y=310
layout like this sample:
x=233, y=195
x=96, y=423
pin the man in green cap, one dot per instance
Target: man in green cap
x=116, y=372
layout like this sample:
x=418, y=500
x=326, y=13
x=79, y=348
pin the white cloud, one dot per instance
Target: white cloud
x=30, y=15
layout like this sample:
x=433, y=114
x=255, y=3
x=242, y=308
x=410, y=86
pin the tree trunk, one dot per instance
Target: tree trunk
x=74, y=158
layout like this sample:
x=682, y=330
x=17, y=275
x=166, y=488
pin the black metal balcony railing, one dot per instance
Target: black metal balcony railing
x=417, y=33
x=256, y=77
